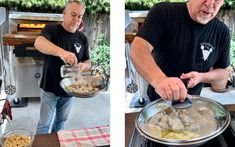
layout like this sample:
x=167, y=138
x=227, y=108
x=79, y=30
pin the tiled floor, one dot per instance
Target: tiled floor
x=84, y=113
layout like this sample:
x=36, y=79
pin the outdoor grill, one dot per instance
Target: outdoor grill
x=22, y=64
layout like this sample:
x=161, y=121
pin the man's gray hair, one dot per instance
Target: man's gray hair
x=74, y=1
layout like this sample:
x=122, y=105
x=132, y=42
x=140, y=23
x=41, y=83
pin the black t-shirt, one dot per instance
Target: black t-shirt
x=73, y=42
x=182, y=45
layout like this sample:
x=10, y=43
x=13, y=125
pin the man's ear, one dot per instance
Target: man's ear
x=64, y=11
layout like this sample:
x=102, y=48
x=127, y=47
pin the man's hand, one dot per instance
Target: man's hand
x=171, y=88
x=69, y=58
x=194, y=78
x=83, y=66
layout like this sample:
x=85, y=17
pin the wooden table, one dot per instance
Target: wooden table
x=46, y=140
x=129, y=126
x=49, y=140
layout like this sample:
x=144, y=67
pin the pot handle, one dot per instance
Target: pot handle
x=177, y=104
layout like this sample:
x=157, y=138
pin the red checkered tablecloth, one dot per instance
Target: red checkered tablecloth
x=87, y=137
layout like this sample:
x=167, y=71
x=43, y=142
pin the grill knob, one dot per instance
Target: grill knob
x=37, y=75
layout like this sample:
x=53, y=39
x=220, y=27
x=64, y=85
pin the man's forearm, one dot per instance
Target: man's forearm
x=215, y=75
x=144, y=63
x=46, y=47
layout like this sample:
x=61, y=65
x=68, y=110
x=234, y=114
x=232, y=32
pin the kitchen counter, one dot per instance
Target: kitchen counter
x=94, y=136
x=227, y=98
x=46, y=140
x=129, y=126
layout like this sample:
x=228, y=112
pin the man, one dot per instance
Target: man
x=61, y=44
x=181, y=41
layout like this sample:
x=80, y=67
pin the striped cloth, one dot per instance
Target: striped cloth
x=87, y=137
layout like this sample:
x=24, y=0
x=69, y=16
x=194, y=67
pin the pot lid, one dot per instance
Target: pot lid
x=160, y=122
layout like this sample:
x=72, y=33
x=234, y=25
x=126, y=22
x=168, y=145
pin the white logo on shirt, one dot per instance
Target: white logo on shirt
x=206, y=48
x=78, y=47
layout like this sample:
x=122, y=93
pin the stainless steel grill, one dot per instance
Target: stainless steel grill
x=132, y=76
x=22, y=63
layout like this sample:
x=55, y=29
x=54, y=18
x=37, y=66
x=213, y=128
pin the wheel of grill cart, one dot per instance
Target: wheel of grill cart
x=132, y=87
x=10, y=89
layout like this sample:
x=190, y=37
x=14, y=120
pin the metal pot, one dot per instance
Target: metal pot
x=216, y=115
x=97, y=82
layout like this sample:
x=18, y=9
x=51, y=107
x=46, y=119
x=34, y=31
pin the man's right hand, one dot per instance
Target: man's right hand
x=69, y=58
x=171, y=88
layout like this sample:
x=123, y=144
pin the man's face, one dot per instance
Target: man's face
x=73, y=16
x=202, y=11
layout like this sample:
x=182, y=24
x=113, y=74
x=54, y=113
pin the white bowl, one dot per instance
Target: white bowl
x=17, y=136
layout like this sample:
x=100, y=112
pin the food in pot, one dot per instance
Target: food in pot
x=182, y=124
x=17, y=140
x=183, y=135
x=81, y=88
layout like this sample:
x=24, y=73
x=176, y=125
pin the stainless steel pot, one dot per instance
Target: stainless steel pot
x=97, y=82
x=221, y=117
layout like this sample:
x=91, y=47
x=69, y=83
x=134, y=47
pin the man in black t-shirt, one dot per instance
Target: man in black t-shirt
x=181, y=41
x=61, y=44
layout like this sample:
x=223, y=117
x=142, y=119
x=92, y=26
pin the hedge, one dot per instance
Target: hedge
x=54, y=6
x=147, y=4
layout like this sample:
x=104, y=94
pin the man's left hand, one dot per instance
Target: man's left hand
x=193, y=77
x=83, y=66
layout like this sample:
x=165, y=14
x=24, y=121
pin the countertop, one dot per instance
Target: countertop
x=46, y=140
x=129, y=126
x=225, y=98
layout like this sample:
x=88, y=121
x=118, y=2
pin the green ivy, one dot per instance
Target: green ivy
x=100, y=55
x=232, y=50
x=147, y=4
x=144, y=4
x=97, y=6
x=229, y=5
x=55, y=6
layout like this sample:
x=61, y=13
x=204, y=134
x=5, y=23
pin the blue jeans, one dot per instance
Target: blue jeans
x=54, y=112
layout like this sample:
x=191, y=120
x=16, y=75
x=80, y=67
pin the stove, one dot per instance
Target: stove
x=226, y=139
